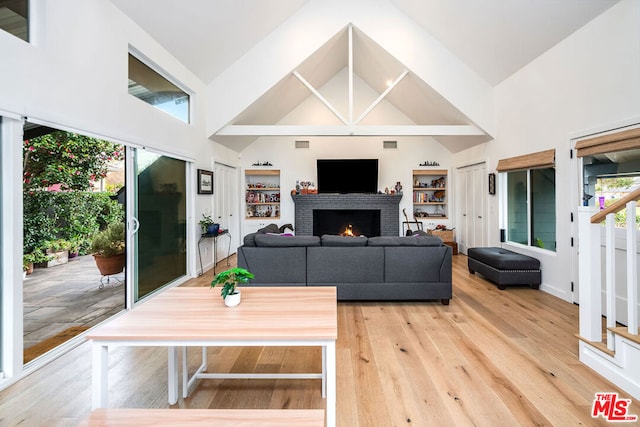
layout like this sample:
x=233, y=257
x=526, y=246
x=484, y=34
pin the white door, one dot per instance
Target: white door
x=479, y=197
x=462, y=227
x=472, y=190
x=226, y=208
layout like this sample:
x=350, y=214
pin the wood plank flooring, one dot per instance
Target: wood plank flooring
x=490, y=358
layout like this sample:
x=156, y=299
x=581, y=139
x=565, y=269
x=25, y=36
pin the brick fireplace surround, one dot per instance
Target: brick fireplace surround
x=389, y=206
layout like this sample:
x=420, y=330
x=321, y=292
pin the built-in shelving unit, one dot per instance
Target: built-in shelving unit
x=430, y=194
x=262, y=193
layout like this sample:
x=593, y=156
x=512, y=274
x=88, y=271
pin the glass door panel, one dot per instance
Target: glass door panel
x=160, y=218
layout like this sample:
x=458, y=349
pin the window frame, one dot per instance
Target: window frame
x=529, y=207
x=27, y=32
x=161, y=73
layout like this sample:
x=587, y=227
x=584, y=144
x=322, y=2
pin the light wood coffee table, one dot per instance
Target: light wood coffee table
x=185, y=317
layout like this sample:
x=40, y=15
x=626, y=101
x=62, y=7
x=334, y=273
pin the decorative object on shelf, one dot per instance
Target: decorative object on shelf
x=262, y=164
x=229, y=280
x=398, y=188
x=205, y=182
x=492, y=183
x=262, y=193
x=208, y=225
x=429, y=163
x=430, y=193
x=108, y=247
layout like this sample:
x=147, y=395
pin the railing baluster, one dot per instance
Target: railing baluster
x=589, y=276
x=632, y=270
x=610, y=277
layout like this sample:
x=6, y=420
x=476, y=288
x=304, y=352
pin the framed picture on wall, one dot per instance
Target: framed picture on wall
x=205, y=182
x=492, y=183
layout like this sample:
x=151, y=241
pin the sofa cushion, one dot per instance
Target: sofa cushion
x=404, y=264
x=272, y=240
x=334, y=265
x=275, y=266
x=250, y=239
x=405, y=241
x=333, y=240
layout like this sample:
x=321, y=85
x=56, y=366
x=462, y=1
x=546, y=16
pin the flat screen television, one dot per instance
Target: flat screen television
x=347, y=175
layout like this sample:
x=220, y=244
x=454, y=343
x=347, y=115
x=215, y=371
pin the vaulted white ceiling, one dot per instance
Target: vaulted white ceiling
x=494, y=38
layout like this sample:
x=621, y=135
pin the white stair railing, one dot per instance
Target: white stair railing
x=632, y=270
x=589, y=273
x=590, y=263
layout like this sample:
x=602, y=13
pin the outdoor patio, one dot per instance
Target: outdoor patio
x=62, y=301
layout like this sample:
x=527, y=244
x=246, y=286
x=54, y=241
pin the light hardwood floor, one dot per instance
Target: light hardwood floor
x=490, y=358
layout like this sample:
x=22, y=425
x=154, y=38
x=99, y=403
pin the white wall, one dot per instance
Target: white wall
x=588, y=81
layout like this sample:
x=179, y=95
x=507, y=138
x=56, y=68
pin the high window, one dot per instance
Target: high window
x=149, y=86
x=14, y=18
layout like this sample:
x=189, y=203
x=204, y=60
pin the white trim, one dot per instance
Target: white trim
x=10, y=115
x=320, y=97
x=350, y=73
x=344, y=130
x=90, y=134
x=603, y=129
x=382, y=95
x=12, y=242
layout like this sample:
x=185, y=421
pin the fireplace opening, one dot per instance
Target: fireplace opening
x=359, y=222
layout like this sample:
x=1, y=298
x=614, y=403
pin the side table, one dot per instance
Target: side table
x=215, y=248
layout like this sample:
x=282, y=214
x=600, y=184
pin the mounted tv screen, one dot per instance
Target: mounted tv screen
x=347, y=175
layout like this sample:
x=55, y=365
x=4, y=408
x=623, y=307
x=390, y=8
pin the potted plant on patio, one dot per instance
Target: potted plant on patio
x=107, y=247
x=33, y=257
x=208, y=225
x=229, y=280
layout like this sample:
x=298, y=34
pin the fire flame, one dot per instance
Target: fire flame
x=348, y=231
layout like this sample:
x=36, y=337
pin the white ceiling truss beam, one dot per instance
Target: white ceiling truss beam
x=382, y=96
x=351, y=130
x=320, y=97
x=349, y=126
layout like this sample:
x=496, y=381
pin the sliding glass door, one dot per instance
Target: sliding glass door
x=157, y=221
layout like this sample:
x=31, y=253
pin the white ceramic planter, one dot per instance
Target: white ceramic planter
x=233, y=299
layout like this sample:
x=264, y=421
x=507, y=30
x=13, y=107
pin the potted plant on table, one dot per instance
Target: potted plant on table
x=229, y=280
x=208, y=225
x=107, y=247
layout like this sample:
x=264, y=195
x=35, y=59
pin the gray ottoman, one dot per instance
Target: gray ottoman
x=504, y=267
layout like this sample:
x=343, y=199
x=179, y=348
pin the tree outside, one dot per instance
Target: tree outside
x=63, y=204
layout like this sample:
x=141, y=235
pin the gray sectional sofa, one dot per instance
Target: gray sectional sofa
x=376, y=268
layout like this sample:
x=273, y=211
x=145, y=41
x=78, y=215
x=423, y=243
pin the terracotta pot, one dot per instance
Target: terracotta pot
x=110, y=265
